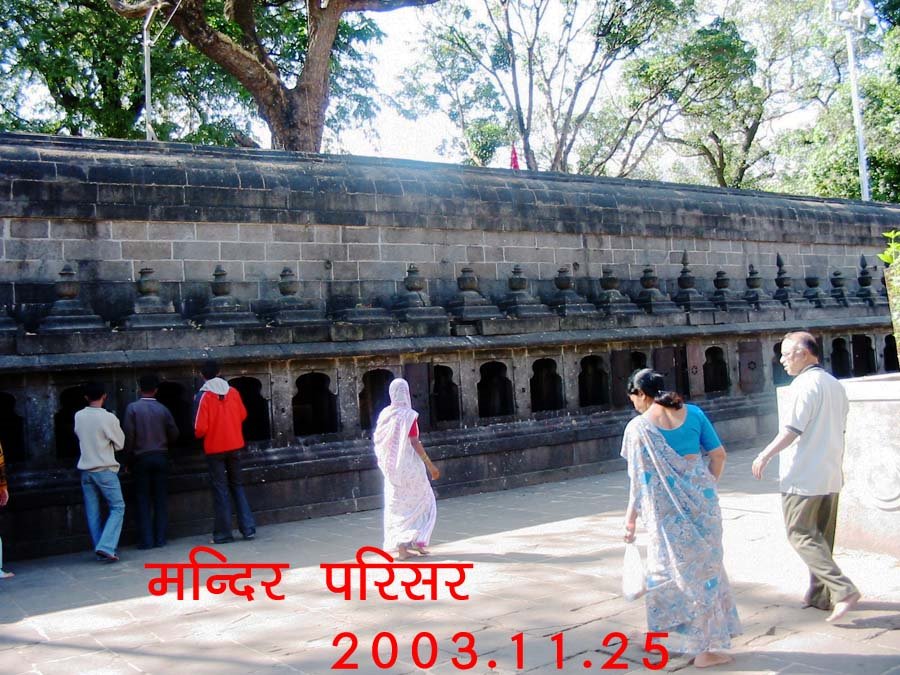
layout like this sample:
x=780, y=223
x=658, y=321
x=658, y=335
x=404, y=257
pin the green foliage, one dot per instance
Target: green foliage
x=725, y=85
x=76, y=67
x=537, y=69
x=892, y=252
x=888, y=11
x=483, y=137
x=822, y=160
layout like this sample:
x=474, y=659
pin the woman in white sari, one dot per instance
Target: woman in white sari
x=410, y=510
x=675, y=459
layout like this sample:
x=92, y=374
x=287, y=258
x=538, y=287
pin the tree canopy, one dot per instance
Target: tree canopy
x=291, y=84
x=532, y=71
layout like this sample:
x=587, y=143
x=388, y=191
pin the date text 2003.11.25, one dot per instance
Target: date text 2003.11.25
x=385, y=651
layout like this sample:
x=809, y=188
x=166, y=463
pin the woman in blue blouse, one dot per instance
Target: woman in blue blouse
x=674, y=459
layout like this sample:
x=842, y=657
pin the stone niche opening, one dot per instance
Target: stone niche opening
x=314, y=406
x=715, y=373
x=891, y=364
x=12, y=428
x=593, y=383
x=779, y=374
x=258, y=425
x=546, y=387
x=177, y=398
x=671, y=363
x=445, y=401
x=495, y=391
x=840, y=359
x=71, y=400
x=863, y=356
x=374, y=397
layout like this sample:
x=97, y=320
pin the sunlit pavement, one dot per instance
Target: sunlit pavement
x=544, y=586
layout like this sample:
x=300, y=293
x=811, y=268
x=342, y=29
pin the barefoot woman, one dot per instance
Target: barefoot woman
x=674, y=459
x=409, y=507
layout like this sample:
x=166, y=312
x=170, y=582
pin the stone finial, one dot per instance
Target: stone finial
x=517, y=280
x=755, y=295
x=467, y=281
x=566, y=301
x=220, y=285
x=608, y=280
x=783, y=281
x=68, y=286
x=519, y=303
x=651, y=299
x=289, y=285
x=814, y=295
x=610, y=300
x=224, y=310
x=688, y=297
x=839, y=289
x=686, y=280
x=469, y=304
x=150, y=311
x=724, y=298
x=866, y=294
x=291, y=310
x=754, y=279
x=68, y=314
x=563, y=279
x=414, y=306
x=649, y=279
x=413, y=282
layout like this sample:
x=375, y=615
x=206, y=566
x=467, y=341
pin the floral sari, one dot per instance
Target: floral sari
x=410, y=510
x=688, y=594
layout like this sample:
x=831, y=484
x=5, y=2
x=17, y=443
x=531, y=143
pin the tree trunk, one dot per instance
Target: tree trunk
x=302, y=122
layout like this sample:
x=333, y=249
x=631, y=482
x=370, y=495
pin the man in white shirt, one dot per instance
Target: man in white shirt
x=99, y=437
x=811, y=444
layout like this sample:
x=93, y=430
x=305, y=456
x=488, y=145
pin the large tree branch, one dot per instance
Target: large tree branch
x=241, y=13
x=382, y=5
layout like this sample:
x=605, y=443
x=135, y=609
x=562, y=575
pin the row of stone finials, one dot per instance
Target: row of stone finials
x=224, y=310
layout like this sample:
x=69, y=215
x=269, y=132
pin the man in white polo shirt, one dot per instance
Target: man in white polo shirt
x=811, y=443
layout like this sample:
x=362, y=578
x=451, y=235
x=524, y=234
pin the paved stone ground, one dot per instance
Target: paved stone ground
x=546, y=561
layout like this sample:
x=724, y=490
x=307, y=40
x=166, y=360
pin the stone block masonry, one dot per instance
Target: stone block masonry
x=502, y=401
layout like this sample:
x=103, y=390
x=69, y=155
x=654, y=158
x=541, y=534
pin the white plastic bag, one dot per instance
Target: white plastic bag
x=634, y=582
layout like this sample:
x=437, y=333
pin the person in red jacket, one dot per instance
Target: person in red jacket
x=219, y=419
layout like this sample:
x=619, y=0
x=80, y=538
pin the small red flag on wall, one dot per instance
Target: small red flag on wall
x=513, y=159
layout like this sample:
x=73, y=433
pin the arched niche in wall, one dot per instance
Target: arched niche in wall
x=12, y=428
x=638, y=361
x=546, y=386
x=71, y=400
x=374, y=396
x=750, y=367
x=671, y=363
x=257, y=426
x=840, y=358
x=891, y=364
x=314, y=406
x=495, y=391
x=178, y=399
x=444, y=395
x=863, y=356
x=593, y=382
x=779, y=374
x=715, y=372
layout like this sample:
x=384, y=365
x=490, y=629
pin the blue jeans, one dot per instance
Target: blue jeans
x=151, y=475
x=97, y=485
x=227, y=484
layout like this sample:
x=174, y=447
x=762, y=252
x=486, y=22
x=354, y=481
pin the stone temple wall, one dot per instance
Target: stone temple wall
x=515, y=303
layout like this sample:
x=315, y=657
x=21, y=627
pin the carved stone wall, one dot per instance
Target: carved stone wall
x=527, y=292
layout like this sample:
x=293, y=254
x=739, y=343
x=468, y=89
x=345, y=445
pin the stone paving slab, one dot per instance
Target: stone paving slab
x=546, y=558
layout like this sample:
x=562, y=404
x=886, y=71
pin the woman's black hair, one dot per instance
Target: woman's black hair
x=652, y=384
